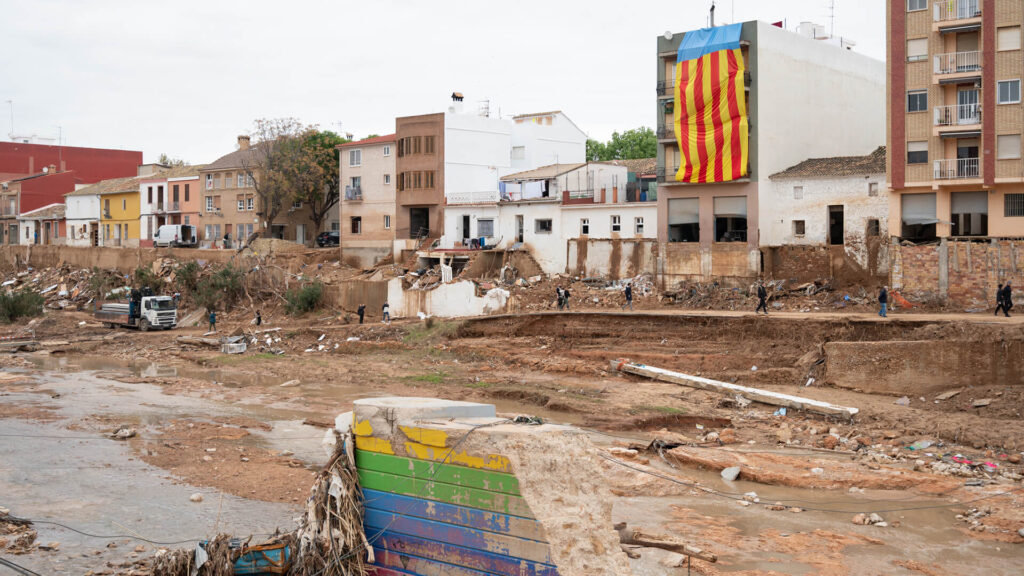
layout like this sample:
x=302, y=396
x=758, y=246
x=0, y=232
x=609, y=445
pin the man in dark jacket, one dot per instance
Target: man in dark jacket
x=762, y=298
x=559, y=297
x=999, y=299
x=883, y=301
x=1007, y=298
x=362, y=312
x=629, y=297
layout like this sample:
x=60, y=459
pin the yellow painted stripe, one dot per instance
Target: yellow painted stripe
x=410, y=449
x=741, y=100
x=690, y=103
x=427, y=436
x=726, y=120
x=362, y=428
x=705, y=119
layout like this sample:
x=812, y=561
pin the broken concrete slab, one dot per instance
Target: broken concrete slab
x=949, y=394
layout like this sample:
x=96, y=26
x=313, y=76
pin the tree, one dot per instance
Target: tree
x=271, y=165
x=631, y=144
x=172, y=162
x=316, y=176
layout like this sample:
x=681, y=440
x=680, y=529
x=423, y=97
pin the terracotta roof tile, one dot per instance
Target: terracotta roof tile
x=112, y=186
x=542, y=173
x=837, y=166
x=368, y=141
x=51, y=212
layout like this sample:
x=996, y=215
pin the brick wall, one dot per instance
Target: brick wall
x=973, y=270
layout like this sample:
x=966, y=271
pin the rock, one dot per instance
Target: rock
x=751, y=497
x=623, y=452
x=785, y=435
x=864, y=440
x=743, y=503
x=890, y=434
x=817, y=471
x=1020, y=532
x=731, y=473
x=1014, y=458
x=197, y=497
x=207, y=459
x=949, y=394
x=290, y=383
x=902, y=401
x=919, y=465
x=861, y=519
x=796, y=510
x=830, y=442
x=882, y=524
x=287, y=453
x=727, y=436
x=140, y=548
x=711, y=437
x=981, y=402
x=875, y=518
x=775, y=507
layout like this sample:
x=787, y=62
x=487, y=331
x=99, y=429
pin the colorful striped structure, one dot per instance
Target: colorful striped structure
x=437, y=503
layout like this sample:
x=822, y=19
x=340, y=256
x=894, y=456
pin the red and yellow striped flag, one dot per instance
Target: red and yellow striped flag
x=711, y=107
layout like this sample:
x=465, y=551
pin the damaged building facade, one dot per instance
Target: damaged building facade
x=793, y=89
x=956, y=175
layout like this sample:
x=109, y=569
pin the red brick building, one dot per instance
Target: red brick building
x=28, y=194
x=90, y=165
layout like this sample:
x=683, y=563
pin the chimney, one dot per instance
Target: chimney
x=456, y=107
x=53, y=169
x=243, y=142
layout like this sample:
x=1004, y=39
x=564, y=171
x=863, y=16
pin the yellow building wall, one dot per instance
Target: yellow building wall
x=124, y=209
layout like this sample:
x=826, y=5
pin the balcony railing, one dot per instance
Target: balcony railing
x=957, y=62
x=665, y=87
x=478, y=197
x=956, y=169
x=958, y=115
x=666, y=133
x=353, y=193
x=667, y=174
x=946, y=10
x=106, y=213
x=173, y=207
x=581, y=194
x=160, y=207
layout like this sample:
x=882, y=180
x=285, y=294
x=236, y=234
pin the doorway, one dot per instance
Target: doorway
x=519, y=228
x=465, y=229
x=419, y=222
x=835, y=225
x=967, y=110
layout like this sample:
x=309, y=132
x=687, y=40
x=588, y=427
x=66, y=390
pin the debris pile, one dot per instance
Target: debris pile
x=61, y=287
x=16, y=535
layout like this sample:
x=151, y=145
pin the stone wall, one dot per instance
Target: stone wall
x=612, y=258
x=959, y=273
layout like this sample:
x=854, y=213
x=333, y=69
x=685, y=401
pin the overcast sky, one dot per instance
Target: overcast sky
x=186, y=77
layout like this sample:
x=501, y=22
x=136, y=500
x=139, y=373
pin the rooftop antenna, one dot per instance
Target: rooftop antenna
x=832, y=19
x=11, y=104
x=712, y=14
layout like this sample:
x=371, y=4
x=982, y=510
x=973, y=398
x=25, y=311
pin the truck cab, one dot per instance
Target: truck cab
x=142, y=311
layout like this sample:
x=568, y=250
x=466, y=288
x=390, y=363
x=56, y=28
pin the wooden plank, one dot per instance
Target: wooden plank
x=460, y=536
x=453, y=514
x=447, y=473
x=390, y=560
x=448, y=493
x=457, y=555
x=763, y=396
x=495, y=462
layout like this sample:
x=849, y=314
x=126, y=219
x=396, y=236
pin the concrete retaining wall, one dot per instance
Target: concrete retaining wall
x=612, y=258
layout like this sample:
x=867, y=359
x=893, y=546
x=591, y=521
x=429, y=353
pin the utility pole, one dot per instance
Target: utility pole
x=712, y=14
x=832, y=19
x=11, y=104
x=60, y=149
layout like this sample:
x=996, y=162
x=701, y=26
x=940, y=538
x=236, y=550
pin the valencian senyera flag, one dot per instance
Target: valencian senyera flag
x=710, y=106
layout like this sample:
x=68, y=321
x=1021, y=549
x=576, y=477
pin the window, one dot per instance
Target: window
x=150, y=196
x=355, y=157
x=798, y=192
x=416, y=144
x=1014, y=205
x=917, y=50
x=241, y=203
x=915, y=5
x=296, y=205
x=616, y=224
x=250, y=203
x=124, y=203
x=798, y=227
x=969, y=214
x=918, y=215
x=584, y=226
x=1008, y=146
x=518, y=152
x=175, y=192
x=387, y=150
x=873, y=189
x=429, y=147
x=186, y=220
x=1008, y=38
x=186, y=192
x=217, y=182
x=106, y=206
x=730, y=219
x=356, y=224
x=430, y=179
x=335, y=227
x=241, y=180
x=638, y=225
x=209, y=203
x=401, y=147
x=542, y=226
x=1009, y=92
x=917, y=152
x=684, y=220
x=209, y=181
x=917, y=101
x=485, y=228
x=387, y=178
x=387, y=222
x=227, y=180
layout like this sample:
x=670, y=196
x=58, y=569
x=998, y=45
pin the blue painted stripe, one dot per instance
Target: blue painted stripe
x=420, y=566
x=457, y=555
x=461, y=536
x=455, y=514
x=697, y=43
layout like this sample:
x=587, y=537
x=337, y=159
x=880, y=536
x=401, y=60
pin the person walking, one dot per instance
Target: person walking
x=213, y=321
x=883, y=301
x=559, y=298
x=565, y=298
x=1007, y=298
x=762, y=298
x=629, y=296
x=259, y=318
x=387, y=313
x=361, y=311
x=999, y=299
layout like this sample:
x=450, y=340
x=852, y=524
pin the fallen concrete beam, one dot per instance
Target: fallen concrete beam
x=763, y=396
x=637, y=537
x=215, y=342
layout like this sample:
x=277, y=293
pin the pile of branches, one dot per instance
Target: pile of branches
x=214, y=558
x=331, y=540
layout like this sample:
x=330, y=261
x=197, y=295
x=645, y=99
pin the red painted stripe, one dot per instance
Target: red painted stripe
x=684, y=126
x=736, y=141
x=716, y=114
x=988, y=66
x=698, y=110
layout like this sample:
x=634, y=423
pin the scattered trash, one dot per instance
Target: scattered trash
x=981, y=402
x=920, y=445
x=905, y=401
x=123, y=432
x=780, y=412
x=290, y=383
x=197, y=497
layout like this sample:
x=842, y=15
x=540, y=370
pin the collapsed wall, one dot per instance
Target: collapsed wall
x=452, y=489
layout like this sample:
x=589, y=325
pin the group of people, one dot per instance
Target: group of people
x=1004, y=298
x=562, y=298
x=385, y=313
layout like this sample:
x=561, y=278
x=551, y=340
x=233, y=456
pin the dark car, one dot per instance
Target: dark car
x=331, y=238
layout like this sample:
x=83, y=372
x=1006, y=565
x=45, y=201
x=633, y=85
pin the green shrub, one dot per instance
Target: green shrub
x=223, y=287
x=306, y=298
x=187, y=276
x=21, y=304
x=145, y=278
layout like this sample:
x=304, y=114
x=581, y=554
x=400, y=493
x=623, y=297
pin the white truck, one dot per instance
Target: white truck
x=175, y=235
x=141, y=311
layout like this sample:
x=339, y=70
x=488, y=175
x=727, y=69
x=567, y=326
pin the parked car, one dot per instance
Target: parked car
x=329, y=238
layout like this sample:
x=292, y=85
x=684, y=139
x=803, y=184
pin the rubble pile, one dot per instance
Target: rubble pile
x=16, y=535
x=62, y=287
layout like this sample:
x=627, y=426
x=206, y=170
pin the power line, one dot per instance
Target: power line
x=18, y=568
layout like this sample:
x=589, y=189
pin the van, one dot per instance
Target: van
x=175, y=235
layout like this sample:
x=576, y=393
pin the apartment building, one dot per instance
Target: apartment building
x=955, y=119
x=168, y=197
x=419, y=180
x=787, y=97
x=366, y=209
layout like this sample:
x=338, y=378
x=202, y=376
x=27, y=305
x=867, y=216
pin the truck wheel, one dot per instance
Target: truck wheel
x=144, y=325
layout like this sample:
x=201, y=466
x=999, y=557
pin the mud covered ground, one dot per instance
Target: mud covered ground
x=224, y=426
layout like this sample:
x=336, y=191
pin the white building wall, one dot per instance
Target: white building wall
x=814, y=100
x=79, y=212
x=600, y=220
x=476, y=152
x=147, y=209
x=560, y=142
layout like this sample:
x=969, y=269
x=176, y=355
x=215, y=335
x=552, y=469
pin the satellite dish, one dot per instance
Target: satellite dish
x=668, y=35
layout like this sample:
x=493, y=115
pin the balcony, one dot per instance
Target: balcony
x=585, y=196
x=159, y=207
x=666, y=133
x=957, y=169
x=666, y=88
x=950, y=10
x=173, y=207
x=106, y=214
x=478, y=197
x=667, y=174
x=354, y=193
x=958, y=115
x=957, y=63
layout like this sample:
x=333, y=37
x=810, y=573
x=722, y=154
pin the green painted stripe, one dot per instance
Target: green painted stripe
x=451, y=494
x=446, y=473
